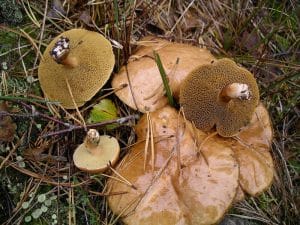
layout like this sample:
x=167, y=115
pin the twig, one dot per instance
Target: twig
x=11, y=152
x=42, y=178
x=80, y=127
x=34, y=114
x=15, y=98
x=37, y=113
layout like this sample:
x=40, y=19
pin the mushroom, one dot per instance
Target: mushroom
x=75, y=66
x=144, y=89
x=199, y=189
x=221, y=94
x=195, y=190
x=96, y=153
x=252, y=151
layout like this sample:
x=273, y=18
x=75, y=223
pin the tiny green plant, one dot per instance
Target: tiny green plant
x=164, y=78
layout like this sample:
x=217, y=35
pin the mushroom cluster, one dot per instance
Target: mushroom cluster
x=192, y=174
x=144, y=90
x=75, y=66
x=194, y=179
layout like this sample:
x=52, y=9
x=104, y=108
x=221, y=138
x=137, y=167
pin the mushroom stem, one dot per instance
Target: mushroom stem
x=235, y=90
x=92, y=140
x=60, y=53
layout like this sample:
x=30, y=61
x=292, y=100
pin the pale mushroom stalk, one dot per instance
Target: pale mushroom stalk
x=92, y=140
x=235, y=91
x=60, y=53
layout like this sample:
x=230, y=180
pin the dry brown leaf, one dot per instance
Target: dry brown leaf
x=7, y=126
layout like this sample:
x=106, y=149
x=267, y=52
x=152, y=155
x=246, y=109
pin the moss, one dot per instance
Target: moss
x=10, y=12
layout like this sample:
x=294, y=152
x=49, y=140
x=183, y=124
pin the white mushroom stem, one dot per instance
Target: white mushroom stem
x=60, y=53
x=92, y=140
x=235, y=91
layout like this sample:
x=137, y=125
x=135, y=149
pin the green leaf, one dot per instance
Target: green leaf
x=104, y=110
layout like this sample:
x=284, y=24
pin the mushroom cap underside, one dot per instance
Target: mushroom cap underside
x=199, y=97
x=97, y=160
x=95, y=64
x=145, y=90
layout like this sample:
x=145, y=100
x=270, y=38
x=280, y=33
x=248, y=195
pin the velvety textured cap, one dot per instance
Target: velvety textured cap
x=95, y=64
x=200, y=100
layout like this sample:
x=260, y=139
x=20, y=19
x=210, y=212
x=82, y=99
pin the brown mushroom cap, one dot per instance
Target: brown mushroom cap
x=198, y=193
x=252, y=151
x=95, y=63
x=96, y=159
x=200, y=97
x=147, y=92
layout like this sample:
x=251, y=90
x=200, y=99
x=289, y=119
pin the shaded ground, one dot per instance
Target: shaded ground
x=36, y=173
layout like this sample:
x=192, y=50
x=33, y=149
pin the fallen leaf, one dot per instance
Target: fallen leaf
x=7, y=126
x=104, y=110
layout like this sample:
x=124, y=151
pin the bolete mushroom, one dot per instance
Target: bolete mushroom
x=144, y=89
x=252, y=151
x=96, y=153
x=75, y=65
x=221, y=94
x=197, y=189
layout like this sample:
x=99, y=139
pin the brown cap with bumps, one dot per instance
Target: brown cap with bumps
x=80, y=57
x=221, y=94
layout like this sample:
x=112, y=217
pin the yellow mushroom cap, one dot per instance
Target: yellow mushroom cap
x=95, y=63
x=96, y=160
x=200, y=97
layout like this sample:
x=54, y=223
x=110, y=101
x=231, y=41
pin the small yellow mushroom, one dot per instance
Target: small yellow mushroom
x=96, y=153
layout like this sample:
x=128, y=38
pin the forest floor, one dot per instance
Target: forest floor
x=38, y=181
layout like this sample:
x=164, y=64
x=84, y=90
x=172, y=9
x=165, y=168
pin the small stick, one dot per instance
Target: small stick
x=147, y=141
x=80, y=127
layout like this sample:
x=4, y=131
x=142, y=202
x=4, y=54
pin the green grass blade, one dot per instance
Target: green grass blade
x=164, y=79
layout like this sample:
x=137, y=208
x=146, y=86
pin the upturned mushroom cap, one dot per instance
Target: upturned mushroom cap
x=203, y=103
x=197, y=192
x=145, y=90
x=252, y=151
x=94, y=61
x=96, y=153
